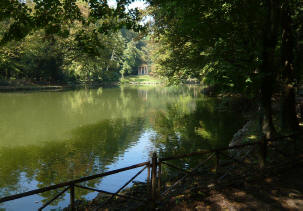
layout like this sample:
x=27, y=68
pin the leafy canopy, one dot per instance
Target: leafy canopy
x=55, y=16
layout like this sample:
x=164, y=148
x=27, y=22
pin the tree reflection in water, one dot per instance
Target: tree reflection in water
x=73, y=134
x=182, y=129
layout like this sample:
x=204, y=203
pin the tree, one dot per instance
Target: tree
x=82, y=43
x=289, y=117
x=55, y=16
x=131, y=58
x=227, y=46
x=267, y=68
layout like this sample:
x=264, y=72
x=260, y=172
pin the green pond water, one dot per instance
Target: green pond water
x=51, y=137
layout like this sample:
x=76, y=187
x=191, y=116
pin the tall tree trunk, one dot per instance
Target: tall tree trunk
x=267, y=67
x=268, y=72
x=289, y=116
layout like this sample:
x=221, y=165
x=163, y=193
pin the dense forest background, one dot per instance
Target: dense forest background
x=66, y=51
x=252, y=48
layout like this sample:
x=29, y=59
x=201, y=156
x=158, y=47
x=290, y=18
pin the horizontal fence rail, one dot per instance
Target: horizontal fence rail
x=154, y=174
x=218, y=153
x=69, y=184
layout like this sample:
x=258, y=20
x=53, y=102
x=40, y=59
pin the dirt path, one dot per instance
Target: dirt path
x=283, y=191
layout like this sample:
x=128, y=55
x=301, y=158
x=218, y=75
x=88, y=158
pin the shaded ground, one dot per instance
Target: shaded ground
x=277, y=191
x=245, y=187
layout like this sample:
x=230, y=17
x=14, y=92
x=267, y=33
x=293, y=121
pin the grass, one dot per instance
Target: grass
x=141, y=79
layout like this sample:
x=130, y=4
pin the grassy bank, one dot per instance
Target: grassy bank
x=21, y=85
x=141, y=79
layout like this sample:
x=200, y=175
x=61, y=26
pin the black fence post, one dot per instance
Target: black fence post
x=217, y=161
x=294, y=156
x=154, y=177
x=159, y=177
x=263, y=152
x=148, y=173
x=148, y=178
x=72, y=196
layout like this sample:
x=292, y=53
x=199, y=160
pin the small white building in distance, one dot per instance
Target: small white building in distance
x=143, y=70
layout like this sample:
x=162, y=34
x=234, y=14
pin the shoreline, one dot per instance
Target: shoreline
x=202, y=191
x=53, y=87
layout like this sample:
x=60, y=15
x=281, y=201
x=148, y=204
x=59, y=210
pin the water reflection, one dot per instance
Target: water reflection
x=188, y=126
x=48, y=138
x=90, y=149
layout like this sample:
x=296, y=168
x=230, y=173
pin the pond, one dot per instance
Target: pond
x=52, y=137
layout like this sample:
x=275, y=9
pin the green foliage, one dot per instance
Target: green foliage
x=81, y=43
x=55, y=15
x=218, y=42
x=136, y=53
x=131, y=59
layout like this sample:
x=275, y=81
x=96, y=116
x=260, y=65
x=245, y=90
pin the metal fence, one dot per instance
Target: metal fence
x=154, y=174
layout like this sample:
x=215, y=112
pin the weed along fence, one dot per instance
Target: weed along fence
x=154, y=172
